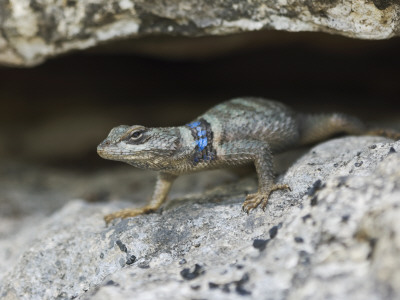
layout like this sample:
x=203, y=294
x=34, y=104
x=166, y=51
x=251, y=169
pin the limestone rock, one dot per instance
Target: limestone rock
x=335, y=235
x=32, y=31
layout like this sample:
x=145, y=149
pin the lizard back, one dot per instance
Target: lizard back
x=253, y=119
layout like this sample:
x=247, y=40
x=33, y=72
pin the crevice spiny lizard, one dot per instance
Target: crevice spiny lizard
x=235, y=132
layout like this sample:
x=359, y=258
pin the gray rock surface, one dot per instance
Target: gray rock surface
x=335, y=235
x=32, y=31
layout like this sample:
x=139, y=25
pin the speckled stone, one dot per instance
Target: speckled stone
x=335, y=235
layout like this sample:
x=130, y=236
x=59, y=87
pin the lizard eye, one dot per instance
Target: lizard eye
x=136, y=135
x=133, y=135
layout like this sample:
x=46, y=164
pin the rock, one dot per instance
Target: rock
x=32, y=31
x=336, y=235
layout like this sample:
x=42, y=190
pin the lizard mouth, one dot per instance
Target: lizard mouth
x=112, y=152
x=107, y=151
x=102, y=152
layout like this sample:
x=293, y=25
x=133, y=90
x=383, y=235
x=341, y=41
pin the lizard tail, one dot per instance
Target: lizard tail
x=316, y=128
x=388, y=133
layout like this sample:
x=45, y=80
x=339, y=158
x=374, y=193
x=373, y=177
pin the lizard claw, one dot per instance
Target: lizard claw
x=254, y=200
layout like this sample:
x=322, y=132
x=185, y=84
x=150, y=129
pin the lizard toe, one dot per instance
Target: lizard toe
x=280, y=187
x=252, y=201
x=127, y=213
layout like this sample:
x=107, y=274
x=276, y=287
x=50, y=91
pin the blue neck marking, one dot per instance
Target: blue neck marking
x=203, y=136
x=194, y=124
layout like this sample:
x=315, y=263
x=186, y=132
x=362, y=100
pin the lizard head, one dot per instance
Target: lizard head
x=146, y=148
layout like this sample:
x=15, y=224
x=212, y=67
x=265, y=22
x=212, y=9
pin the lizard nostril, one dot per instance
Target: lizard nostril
x=107, y=143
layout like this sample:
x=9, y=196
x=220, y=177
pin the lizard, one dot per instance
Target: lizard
x=235, y=132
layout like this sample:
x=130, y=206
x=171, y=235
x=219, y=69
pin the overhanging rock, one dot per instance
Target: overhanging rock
x=32, y=31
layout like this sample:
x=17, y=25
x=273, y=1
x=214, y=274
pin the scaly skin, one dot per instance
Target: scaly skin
x=236, y=132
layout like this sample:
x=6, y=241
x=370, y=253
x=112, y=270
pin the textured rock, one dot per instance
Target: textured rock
x=336, y=235
x=32, y=31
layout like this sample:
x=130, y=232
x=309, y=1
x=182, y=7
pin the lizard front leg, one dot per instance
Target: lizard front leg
x=260, y=154
x=163, y=185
